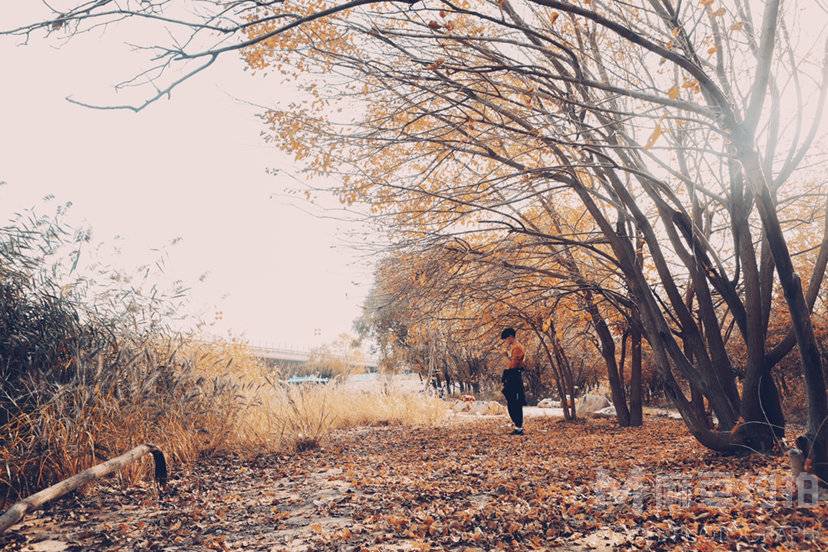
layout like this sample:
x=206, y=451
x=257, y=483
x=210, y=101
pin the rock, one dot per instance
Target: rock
x=608, y=411
x=477, y=407
x=486, y=408
x=549, y=403
x=589, y=404
x=481, y=408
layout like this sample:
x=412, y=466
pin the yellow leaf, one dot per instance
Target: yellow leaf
x=654, y=136
x=719, y=13
x=738, y=26
x=673, y=93
x=712, y=50
x=553, y=17
x=706, y=2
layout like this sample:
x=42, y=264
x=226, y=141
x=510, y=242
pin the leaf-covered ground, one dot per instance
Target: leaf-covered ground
x=468, y=486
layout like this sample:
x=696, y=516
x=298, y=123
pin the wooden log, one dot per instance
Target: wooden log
x=30, y=503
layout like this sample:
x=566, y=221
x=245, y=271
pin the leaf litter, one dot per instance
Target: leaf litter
x=464, y=486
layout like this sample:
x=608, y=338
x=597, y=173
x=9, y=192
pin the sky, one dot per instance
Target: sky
x=194, y=167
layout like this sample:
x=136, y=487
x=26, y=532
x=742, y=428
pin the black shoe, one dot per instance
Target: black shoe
x=517, y=431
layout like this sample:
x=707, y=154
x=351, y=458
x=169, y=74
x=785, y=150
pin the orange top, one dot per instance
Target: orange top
x=516, y=355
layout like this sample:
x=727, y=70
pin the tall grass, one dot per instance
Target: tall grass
x=274, y=415
x=104, y=409
x=89, y=370
x=190, y=399
x=303, y=415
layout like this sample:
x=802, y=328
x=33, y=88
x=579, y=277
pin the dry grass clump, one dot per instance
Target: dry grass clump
x=296, y=413
x=105, y=409
x=90, y=370
x=276, y=416
x=189, y=398
x=90, y=367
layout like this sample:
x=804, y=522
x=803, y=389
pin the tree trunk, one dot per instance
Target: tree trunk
x=557, y=373
x=566, y=371
x=697, y=400
x=636, y=404
x=666, y=351
x=797, y=305
x=607, y=348
x=20, y=509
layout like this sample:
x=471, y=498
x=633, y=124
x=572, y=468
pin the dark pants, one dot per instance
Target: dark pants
x=514, y=393
x=515, y=408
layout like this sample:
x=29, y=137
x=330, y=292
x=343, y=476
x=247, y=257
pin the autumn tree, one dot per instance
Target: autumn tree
x=638, y=113
x=466, y=291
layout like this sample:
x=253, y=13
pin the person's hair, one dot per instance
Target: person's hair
x=507, y=333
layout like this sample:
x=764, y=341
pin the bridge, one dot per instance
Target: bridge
x=283, y=355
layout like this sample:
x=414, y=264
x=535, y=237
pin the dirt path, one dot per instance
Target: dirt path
x=226, y=504
x=465, y=486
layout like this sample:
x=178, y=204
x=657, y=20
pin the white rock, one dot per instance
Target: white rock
x=589, y=403
x=608, y=411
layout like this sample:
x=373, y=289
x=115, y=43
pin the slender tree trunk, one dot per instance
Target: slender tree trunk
x=607, y=348
x=697, y=400
x=636, y=403
x=557, y=374
x=566, y=371
x=622, y=361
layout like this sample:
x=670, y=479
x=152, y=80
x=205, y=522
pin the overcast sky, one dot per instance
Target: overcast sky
x=193, y=167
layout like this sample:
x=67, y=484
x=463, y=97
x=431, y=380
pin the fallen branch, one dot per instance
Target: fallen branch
x=21, y=508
